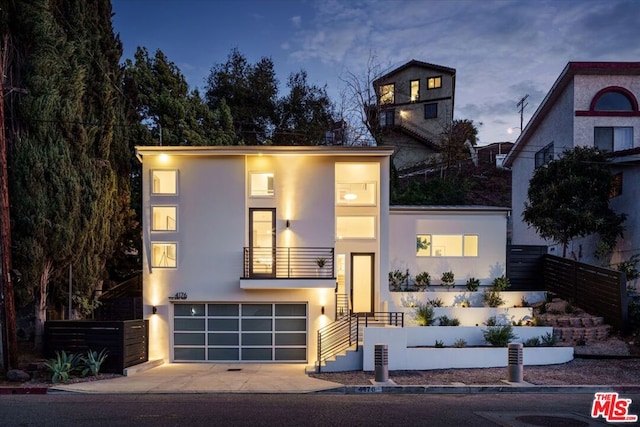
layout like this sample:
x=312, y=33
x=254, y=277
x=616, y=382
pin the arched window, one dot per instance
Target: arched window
x=613, y=101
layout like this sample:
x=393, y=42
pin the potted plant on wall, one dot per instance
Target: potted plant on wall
x=422, y=280
x=448, y=279
x=320, y=262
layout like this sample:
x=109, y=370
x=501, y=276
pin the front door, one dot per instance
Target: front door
x=362, y=282
x=262, y=242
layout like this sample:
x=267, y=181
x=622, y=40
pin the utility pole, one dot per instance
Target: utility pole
x=521, y=106
x=9, y=343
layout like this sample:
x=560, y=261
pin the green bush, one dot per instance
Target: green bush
x=499, y=336
x=436, y=302
x=548, y=340
x=532, y=342
x=424, y=315
x=439, y=344
x=93, y=361
x=473, y=284
x=422, y=280
x=448, y=279
x=397, y=279
x=460, y=343
x=445, y=321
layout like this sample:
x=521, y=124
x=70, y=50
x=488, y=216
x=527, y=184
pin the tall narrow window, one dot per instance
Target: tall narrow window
x=387, y=94
x=164, y=182
x=415, y=90
x=164, y=218
x=164, y=255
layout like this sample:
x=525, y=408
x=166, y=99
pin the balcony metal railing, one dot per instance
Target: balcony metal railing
x=288, y=263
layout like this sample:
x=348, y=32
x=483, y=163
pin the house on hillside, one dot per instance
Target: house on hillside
x=414, y=106
x=591, y=104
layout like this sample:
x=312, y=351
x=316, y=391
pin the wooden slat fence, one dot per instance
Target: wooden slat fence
x=597, y=290
x=524, y=267
x=126, y=341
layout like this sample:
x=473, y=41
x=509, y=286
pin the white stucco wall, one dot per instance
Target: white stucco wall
x=489, y=225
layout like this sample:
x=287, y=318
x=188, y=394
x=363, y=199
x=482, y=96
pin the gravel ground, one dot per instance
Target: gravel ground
x=576, y=372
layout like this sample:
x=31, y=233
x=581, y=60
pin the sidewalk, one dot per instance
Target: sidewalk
x=202, y=378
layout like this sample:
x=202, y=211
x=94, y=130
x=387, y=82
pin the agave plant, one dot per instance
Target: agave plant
x=62, y=366
x=93, y=361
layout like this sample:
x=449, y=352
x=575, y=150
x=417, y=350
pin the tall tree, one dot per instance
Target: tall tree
x=69, y=155
x=250, y=91
x=305, y=114
x=569, y=197
x=454, y=144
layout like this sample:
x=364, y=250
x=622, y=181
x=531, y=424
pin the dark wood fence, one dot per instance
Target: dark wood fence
x=126, y=341
x=597, y=290
x=524, y=267
x=123, y=302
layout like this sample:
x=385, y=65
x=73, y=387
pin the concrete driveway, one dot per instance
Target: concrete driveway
x=208, y=378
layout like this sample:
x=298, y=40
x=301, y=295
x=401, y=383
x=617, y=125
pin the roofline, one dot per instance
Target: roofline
x=415, y=62
x=569, y=71
x=239, y=150
x=447, y=208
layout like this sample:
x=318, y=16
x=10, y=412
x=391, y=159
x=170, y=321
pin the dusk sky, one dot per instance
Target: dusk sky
x=501, y=50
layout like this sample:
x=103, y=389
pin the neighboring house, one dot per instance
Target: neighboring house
x=591, y=104
x=248, y=251
x=415, y=105
x=492, y=154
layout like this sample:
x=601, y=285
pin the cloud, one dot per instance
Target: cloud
x=296, y=21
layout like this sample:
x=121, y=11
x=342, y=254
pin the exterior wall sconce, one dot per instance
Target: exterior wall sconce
x=154, y=310
x=322, y=310
x=287, y=224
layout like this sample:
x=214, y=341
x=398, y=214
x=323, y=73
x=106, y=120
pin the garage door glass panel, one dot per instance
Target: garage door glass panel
x=256, y=324
x=224, y=354
x=256, y=310
x=256, y=339
x=189, y=324
x=188, y=339
x=291, y=310
x=223, y=324
x=291, y=353
x=257, y=354
x=223, y=339
x=291, y=325
x=189, y=310
x=223, y=309
x=291, y=339
x=189, y=353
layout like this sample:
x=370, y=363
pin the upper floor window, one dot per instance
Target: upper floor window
x=543, y=156
x=356, y=193
x=431, y=111
x=387, y=94
x=164, y=182
x=415, y=90
x=164, y=218
x=613, y=138
x=262, y=184
x=613, y=101
x=434, y=82
x=447, y=245
x=164, y=255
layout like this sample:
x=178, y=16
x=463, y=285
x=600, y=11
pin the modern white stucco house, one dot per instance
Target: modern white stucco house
x=590, y=104
x=231, y=243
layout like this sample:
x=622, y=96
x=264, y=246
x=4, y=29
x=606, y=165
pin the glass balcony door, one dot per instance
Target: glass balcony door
x=262, y=242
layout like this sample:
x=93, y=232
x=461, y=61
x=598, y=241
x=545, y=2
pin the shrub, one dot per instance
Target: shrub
x=62, y=366
x=397, y=278
x=472, y=284
x=491, y=321
x=492, y=298
x=548, y=339
x=500, y=283
x=532, y=342
x=93, y=361
x=448, y=279
x=460, y=343
x=439, y=344
x=422, y=280
x=499, y=336
x=436, y=302
x=424, y=315
x=445, y=321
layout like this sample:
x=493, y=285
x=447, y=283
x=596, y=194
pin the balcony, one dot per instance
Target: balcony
x=288, y=268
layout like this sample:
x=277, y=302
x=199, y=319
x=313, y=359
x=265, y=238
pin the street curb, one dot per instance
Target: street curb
x=481, y=389
x=23, y=390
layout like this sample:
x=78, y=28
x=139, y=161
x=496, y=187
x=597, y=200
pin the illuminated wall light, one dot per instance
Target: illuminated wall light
x=350, y=196
x=154, y=310
x=163, y=158
x=322, y=310
x=287, y=224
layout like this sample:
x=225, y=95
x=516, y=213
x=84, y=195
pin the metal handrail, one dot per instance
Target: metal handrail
x=346, y=331
x=288, y=263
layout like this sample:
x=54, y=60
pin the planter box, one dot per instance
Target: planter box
x=406, y=351
x=474, y=316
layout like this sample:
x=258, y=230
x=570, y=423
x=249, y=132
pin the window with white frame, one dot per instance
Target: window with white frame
x=447, y=245
x=356, y=227
x=164, y=255
x=164, y=218
x=262, y=184
x=164, y=182
x=613, y=138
